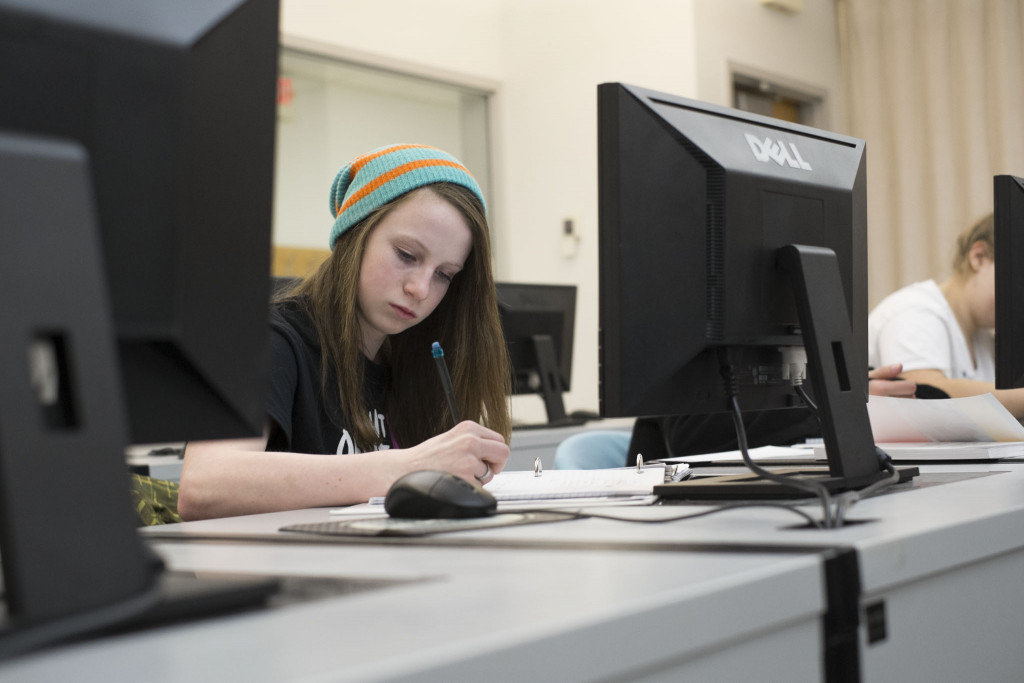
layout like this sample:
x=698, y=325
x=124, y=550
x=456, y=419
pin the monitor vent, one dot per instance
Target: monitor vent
x=714, y=240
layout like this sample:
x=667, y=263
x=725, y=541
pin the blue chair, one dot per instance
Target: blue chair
x=593, y=450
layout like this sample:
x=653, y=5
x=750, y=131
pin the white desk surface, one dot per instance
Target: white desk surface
x=598, y=599
x=905, y=534
x=476, y=614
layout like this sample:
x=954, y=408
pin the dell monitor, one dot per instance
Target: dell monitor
x=136, y=172
x=733, y=266
x=1008, y=216
x=538, y=322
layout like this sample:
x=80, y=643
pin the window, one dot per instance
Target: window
x=331, y=110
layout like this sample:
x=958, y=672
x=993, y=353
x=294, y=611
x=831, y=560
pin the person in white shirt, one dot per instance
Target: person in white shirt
x=943, y=334
x=917, y=324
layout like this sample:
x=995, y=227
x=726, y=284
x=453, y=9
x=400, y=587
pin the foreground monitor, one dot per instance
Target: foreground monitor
x=731, y=240
x=169, y=99
x=136, y=169
x=1009, y=255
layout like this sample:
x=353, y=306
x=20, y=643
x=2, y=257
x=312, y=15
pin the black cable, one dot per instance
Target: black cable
x=846, y=500
x=805, y=485
x=814, y=488
x=694, y=515
x=807, y=399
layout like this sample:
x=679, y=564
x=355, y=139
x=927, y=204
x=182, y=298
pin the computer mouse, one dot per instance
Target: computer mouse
x=432, y=494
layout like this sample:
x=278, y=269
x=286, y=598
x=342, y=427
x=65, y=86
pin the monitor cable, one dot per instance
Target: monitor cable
x=846, y=499
x=806, y=398
x=811, y=487
x=578, y=514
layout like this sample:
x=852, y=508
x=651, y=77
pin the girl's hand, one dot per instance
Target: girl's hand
x=468, y=450
x=886, y=381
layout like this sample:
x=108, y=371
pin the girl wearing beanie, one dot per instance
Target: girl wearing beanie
x=352, y=373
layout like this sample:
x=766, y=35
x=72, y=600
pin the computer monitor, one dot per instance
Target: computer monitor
x=733, y=241
x=538, y=322
x=170, y=102
x=1008, y=215
x=136, y=172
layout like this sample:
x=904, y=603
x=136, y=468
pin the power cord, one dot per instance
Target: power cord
x=833, y=519
x=845, y=500
x=806, y=398
x=812, y=487
x=693, y=515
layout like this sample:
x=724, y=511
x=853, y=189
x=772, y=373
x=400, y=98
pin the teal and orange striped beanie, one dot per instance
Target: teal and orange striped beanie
x=374, y=179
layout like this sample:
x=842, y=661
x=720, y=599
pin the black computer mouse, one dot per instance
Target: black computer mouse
x=432, y=494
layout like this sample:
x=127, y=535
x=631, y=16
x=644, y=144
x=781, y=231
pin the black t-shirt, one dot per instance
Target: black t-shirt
x=304, y=415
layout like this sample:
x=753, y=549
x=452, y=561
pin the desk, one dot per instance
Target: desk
x=483, y=614
x=742, y=595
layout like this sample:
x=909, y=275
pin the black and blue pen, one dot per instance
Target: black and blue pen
x=446, y=380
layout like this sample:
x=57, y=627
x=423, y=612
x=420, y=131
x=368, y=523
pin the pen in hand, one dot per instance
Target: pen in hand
x=446, y=380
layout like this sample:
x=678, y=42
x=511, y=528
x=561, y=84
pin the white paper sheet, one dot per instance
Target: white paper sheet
x=974, y=418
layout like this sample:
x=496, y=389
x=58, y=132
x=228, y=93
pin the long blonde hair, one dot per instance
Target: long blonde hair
x=465, y=322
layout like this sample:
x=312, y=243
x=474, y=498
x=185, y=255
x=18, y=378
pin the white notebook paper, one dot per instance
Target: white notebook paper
x=560, y=484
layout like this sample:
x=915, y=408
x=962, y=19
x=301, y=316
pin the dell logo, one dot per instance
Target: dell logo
x=771, y=150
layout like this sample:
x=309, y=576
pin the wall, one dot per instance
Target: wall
x=556, y=53
x=798, y=50
x=450, y=35
x=544, y=59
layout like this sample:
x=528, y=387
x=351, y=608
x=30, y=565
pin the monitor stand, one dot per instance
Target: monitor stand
x=549, y=386
x=73, y=561
x=750, y=486
x=837, y=382
x=550, y=381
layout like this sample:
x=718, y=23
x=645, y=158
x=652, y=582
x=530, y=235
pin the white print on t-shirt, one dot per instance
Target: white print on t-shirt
x=380, y=425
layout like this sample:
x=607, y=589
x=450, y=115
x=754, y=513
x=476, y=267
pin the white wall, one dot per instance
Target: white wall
x=544, y=59
x=454, y=35
x=799, y=50
x=556, y=53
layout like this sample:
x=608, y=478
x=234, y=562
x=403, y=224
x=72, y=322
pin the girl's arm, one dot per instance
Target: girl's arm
x=1012, y=399
x=227, y=478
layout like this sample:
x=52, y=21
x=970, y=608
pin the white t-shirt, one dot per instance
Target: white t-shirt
x=915, y=326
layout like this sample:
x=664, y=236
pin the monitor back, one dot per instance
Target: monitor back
x=175, y=105
x=1009, y=256
x=529, y=309
x=695, y=201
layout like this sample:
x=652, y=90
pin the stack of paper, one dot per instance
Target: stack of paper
x=974, y=418
x=971, y=428
x=954, y=450
x=761, y=454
